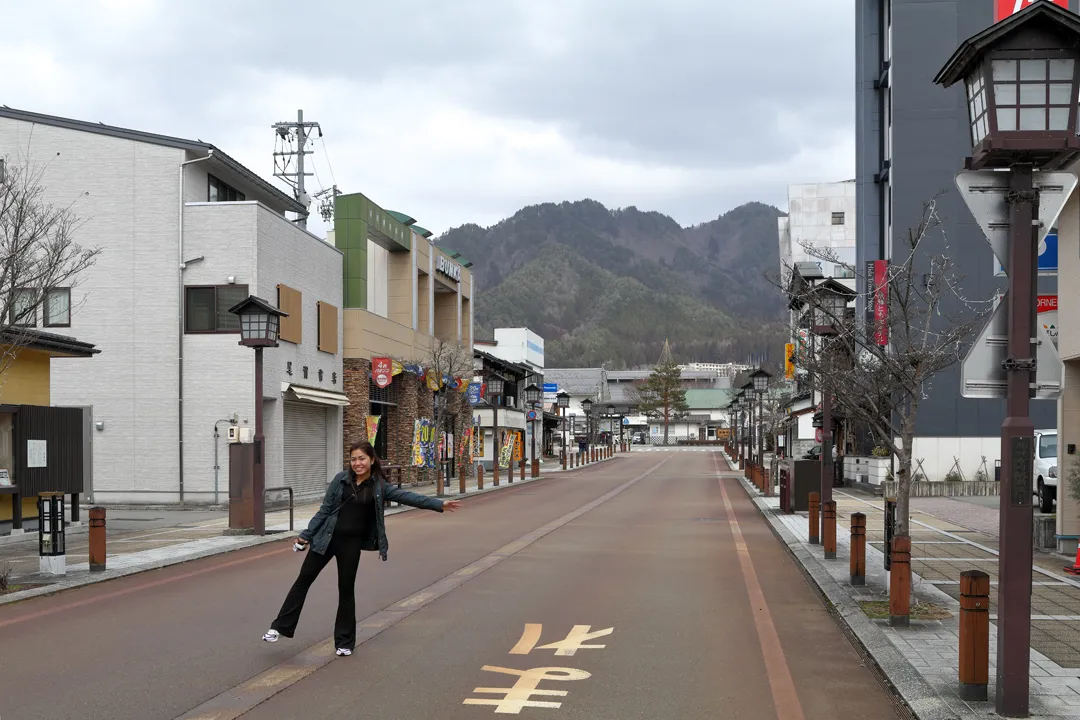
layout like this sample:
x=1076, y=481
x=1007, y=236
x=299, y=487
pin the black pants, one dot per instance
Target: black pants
x=347, y=552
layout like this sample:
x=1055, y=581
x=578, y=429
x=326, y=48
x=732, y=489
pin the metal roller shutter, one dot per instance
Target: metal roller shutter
x=305, y=449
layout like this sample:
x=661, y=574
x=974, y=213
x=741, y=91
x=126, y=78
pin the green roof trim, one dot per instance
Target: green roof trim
x=401, y=217
x=423, y=232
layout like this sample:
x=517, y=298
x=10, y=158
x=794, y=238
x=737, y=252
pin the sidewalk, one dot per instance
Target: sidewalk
x=137, y=551
x=921, y=661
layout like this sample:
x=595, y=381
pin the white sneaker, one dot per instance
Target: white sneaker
x=271, y=636
x=343, y=651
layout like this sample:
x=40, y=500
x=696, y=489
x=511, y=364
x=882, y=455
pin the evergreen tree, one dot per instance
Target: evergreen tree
x=662, y=395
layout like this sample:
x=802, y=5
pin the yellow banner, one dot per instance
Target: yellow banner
x=789, y=361
x=371, y=423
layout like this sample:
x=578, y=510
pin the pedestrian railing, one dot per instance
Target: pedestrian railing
x=284, y=488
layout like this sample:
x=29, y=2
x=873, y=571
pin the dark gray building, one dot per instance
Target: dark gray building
x=911, y=139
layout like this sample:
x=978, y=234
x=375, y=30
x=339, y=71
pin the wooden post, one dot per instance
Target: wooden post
x=858, y=549
x=440, y=481
x=97, y=539
x=522, y=476
x=829, y=529
x=815, y=505
x=900, y=582
x=461, y=479
x=974, y=634
x=535, y=470
x=479, y=477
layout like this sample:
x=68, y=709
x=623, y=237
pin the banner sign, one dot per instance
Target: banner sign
x=423, y=448
x=371, y=423
x=1048, y=315
x=1007, y=8
x=382, y=371
x=507, y=449
x=475, y=392
x=789, y=361
x=881, y=302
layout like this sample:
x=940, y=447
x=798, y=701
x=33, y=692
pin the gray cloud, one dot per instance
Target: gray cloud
x=465, y=111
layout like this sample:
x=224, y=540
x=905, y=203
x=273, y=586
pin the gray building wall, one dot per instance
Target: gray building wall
x=930, y=140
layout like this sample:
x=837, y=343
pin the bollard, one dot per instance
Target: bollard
x=900, y=582
x=461, y=480
x=97, y=539
x=974, y=634
x=815, y=505
x=522, y=476
x=858, y=549
x=479, y=477
x=828, y=515
x=564, y=459
x=535, y=470
x=440, y=482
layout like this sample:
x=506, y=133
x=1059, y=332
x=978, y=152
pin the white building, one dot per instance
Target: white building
x=186, y=232
x=821, y=217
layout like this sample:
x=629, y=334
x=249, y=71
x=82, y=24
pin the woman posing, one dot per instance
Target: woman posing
x=349, y=520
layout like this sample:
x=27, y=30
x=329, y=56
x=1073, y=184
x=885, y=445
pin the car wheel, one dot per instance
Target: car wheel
x=1046, y=499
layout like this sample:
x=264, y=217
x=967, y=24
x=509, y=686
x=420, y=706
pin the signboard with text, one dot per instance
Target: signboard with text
x=1005, y=8
x=1048, y=311
x=382, y=371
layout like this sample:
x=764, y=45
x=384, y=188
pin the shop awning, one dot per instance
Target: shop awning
x=314, y=395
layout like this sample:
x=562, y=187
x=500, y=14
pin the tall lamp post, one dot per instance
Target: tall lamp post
x=828, y=299
x=259, y=324
x=563, y=401
x=532, y=396
x=495, y=385
x=586, y=407
x=611, y=428
x=748, y=403
x=1035, y=52
x=760, y=378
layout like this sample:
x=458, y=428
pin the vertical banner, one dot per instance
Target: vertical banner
x=382, y=371
x=423, y=449
x=519, y=445
x=1048, y=310
x=881, y=302
x=371, y=424
x=474, y=393
x=507, y=450
x=789, y=361
x=478, y=440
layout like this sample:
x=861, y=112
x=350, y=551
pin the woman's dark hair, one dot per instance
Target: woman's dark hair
x=366, y=447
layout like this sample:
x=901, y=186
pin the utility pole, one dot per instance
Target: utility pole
x=286, y=131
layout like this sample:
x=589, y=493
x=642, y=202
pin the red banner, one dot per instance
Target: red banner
x=1047, y=303
x=382, y=371
x=1005, y=8
x=881, y=302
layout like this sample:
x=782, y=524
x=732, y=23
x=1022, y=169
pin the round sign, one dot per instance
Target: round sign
x=531, y=415
x=817, y=435
x=626, y=421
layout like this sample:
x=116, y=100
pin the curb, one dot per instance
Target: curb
x=916, y=693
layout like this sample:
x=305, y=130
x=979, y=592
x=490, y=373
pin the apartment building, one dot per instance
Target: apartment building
x=185, y=232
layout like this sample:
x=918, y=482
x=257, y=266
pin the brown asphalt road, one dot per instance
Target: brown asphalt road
x=710, y=618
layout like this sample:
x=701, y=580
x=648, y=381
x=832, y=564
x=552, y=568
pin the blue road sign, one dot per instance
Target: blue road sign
x=551, y=387
x=1048, y=256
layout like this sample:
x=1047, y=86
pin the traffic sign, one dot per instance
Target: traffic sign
x=984, y=192
x=626, y=421
x=531, y=415
x=1048, y=257
x=551, y=387
x=983, y=374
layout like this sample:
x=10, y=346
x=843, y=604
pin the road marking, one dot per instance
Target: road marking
x=785, y=698
x=568, y=646
x=516, y=697
x=127, y=591
x=235, y=701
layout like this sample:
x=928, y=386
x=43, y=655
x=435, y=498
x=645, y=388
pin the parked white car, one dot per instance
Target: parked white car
x=1046, y=474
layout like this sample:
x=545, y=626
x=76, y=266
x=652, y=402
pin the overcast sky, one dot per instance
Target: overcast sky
x=460, y=111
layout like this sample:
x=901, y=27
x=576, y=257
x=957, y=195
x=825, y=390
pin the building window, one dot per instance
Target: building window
x=206, y=308
x=23, y=309
x=976, y=94
x=838, y=218
x=58, y=308
x=222, y=192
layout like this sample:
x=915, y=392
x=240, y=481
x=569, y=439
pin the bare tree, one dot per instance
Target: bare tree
x=444, y=362
x=928, y=326
x=38, y=255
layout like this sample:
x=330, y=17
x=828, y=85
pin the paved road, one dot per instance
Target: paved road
x=708, y=618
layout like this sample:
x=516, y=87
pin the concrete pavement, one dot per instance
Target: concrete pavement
x=503, y=607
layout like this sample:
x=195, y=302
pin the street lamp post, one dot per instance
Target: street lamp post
x=563, y=400
x=259, y=323
x=1021, y=82
x=532, y=396
x=611, y=430
x=494, y=393
x=748, y=402
x=760, y=378
x=586, y=407
x=828, y=302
